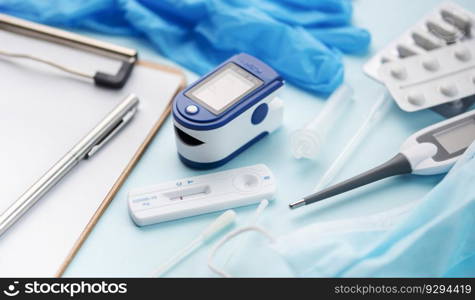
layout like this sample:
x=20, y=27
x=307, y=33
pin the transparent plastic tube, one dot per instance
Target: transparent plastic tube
x=376, y=113
x=306, y=142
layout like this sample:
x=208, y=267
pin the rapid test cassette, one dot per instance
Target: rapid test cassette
x=438, y=77
x=447, y=24
x=201, y=194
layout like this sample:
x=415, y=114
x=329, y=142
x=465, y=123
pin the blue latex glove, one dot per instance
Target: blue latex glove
x=302, y=40
x=432, y=237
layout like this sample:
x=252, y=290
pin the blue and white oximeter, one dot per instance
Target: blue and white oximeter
x=226, y=111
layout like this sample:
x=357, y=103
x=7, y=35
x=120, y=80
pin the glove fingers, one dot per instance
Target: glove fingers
x=292, y=51
x=188, y=11
x=173, y=40
x=323, y=5
x=348, y=39
x=326, y=13
x=101, y=16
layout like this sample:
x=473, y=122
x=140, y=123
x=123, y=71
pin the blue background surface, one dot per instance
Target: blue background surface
x=117, y=247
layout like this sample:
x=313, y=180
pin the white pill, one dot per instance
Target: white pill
x=463, y=54
x=442, y=29
x=457, y=18
x=399, y=72
x=449, y=90
x=426, y=40
x=416, y=99
x=431, y=64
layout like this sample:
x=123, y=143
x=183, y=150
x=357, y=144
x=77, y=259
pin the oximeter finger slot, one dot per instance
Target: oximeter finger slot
x=186, y=138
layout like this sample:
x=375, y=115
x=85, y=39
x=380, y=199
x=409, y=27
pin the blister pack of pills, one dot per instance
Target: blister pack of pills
x=447, y=24
x=422, y=81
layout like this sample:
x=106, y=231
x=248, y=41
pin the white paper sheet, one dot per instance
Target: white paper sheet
x=43, y=114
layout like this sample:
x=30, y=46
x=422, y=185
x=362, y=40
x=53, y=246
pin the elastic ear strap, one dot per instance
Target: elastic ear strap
x=253, y=221
x=226, y=239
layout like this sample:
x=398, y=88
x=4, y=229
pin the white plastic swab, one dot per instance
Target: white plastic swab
x=219, y=224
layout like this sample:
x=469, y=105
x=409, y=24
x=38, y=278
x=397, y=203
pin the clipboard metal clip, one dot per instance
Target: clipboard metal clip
x=127, y=56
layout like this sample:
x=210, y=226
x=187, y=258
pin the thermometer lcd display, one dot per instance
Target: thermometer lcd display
x=224, y=88
x=457, y=138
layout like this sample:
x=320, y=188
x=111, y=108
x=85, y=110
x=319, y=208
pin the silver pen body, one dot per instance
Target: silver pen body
x=85, y=148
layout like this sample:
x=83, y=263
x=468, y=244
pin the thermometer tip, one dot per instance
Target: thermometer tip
x=297, y=204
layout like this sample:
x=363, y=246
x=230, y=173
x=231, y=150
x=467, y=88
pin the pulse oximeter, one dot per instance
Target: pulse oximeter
x=226, y=111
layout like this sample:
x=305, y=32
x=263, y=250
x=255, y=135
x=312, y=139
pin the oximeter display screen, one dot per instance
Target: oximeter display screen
x=224, y=88
x=457, y=138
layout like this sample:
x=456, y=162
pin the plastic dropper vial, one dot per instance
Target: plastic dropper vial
x=307, y=141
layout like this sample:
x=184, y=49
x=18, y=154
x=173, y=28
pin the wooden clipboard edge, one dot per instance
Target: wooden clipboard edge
x=128, y=169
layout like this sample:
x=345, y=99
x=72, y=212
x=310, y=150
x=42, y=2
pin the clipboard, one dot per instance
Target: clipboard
x=56, y=99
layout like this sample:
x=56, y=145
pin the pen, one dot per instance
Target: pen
x=84, y=149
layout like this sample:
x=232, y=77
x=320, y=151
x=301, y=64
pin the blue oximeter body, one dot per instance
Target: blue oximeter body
x=226, y=111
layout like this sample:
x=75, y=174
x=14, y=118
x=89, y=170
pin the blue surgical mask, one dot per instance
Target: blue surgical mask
x=431, y=237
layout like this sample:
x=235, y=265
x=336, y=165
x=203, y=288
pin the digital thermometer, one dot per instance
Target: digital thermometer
x=201, y=194
x=432, y=150
x=226, y=111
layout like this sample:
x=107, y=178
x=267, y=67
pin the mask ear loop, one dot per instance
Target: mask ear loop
x=238, y=244
x=226, y=239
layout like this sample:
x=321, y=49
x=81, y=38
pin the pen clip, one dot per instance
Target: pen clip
x=115, y=129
